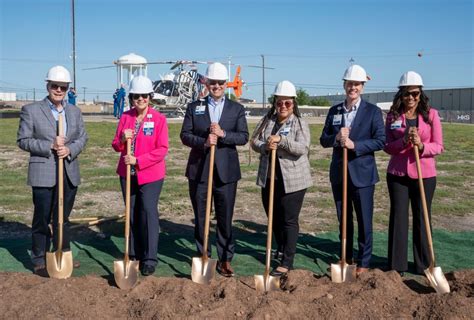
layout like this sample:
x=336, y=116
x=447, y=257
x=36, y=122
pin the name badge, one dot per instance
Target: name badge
x=396, y=125
x=285, y=131
x=148, y=128
x=337, y=120
x=200, y=109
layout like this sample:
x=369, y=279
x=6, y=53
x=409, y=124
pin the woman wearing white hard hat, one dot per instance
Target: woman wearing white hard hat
x=148, y=133
x=411, y=123
x=283, y=129
x=356, y=125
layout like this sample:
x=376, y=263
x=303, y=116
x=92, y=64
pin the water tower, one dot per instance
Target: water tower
x=130, y=66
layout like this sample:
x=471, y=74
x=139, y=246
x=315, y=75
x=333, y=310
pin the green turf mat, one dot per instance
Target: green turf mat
x=314, y=252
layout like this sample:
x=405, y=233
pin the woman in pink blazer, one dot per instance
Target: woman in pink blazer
x=148, y=132
x=410, y=123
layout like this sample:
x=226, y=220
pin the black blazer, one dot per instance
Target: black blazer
x=194, y=134
x=368, y=134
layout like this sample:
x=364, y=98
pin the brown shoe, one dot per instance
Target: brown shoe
x=361, y=270
x=224, y=268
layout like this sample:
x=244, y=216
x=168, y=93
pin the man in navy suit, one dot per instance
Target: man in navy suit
x=358, y=126
x=217, y=121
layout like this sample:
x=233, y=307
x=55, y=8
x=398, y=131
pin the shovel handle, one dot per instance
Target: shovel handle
x=425, y=207
x=270, y=212
x=60, y=192
x=127, y=201
x=344, y=205
x=210, y=180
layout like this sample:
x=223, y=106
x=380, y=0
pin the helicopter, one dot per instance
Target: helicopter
x=182, y=85
x=185, y=85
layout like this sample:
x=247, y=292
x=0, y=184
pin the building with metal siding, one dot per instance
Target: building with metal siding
x=454, y=105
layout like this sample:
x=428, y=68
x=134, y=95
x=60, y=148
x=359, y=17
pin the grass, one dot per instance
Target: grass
x=453, y=197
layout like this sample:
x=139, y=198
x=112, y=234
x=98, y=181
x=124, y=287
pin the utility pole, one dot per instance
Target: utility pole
x=84, y=98
x=73, y=46
x=34, y=94
x=228, y=89
x=263, y=78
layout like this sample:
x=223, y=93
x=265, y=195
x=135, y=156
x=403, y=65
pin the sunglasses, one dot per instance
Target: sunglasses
x=137, y=96
x=214, y=82
x=55, y=86
x=414, y=94
x=288, y=104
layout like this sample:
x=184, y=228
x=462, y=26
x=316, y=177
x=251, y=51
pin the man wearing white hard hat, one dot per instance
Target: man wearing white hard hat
x=358, y=126
x=411, y=123
x=38, y=134
x=221, y=122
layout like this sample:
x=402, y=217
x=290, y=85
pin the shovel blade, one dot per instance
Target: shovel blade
x=203, y=272
x=343, y=272
x=59, y=264
x=437, y=280
x=126, y=274
x=265, y=284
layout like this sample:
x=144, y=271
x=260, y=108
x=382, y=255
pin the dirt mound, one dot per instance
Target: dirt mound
x=374, y=295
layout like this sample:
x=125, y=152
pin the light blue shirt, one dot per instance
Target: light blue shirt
x=215, y=108
x=56, y=114
x=350, y=113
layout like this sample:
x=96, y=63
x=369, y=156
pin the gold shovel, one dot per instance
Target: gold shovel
x=59, y=264
x=343, y=272
x=434, y=274
x=126, y=271
x=204, y=269
x=267, y=282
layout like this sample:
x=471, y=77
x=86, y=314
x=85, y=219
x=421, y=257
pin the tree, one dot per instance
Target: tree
x=302, y=97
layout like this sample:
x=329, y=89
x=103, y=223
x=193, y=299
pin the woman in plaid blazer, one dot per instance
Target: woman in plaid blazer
x=284, y=130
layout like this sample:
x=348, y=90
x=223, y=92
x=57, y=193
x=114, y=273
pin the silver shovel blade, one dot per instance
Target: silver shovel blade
x=343, y=272
x=271, y=283
x=126, y=274
x=203, y=272
x=437, y=280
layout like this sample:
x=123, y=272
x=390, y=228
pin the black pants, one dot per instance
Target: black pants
x=224, y=200
x=286, y=211
x=45, y=200
x=144, y=220
x=402, y=191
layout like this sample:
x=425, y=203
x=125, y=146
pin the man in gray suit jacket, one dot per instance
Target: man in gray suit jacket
x=38, y=134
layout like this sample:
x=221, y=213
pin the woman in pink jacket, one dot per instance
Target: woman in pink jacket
x=411, y=123
x=148, y=132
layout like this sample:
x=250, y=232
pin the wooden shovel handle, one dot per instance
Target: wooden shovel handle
x=207, y=221
x=344, y=205
x=270, y=212
x=127, y=201
x=424, y=205
x=60, y=190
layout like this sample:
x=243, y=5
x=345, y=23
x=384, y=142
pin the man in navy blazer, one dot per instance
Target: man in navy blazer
x=217, y=121
x=358, y=126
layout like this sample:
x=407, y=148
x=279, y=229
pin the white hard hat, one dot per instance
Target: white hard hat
x=355, y=73
x=217, y=71
x=58, y=74
x=141, y=84
x=285, y=89
x=410, y=78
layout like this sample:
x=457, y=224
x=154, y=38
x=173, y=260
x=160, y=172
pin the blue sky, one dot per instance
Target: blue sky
x=307, y=42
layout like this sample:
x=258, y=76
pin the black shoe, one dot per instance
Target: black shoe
x=148, y=270
x=278, y=273
x=401, y=273
x=40, y=271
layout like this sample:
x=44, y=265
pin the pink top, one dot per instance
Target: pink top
x=402, y=160
x=151, y=146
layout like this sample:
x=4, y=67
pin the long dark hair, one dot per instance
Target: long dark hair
x=263, y=123
x=398, y=108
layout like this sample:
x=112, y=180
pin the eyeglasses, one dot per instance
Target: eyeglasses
x=55, y=86
x=288, y=103
x=137, y=96
x=414, y=94
x=214, y=82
